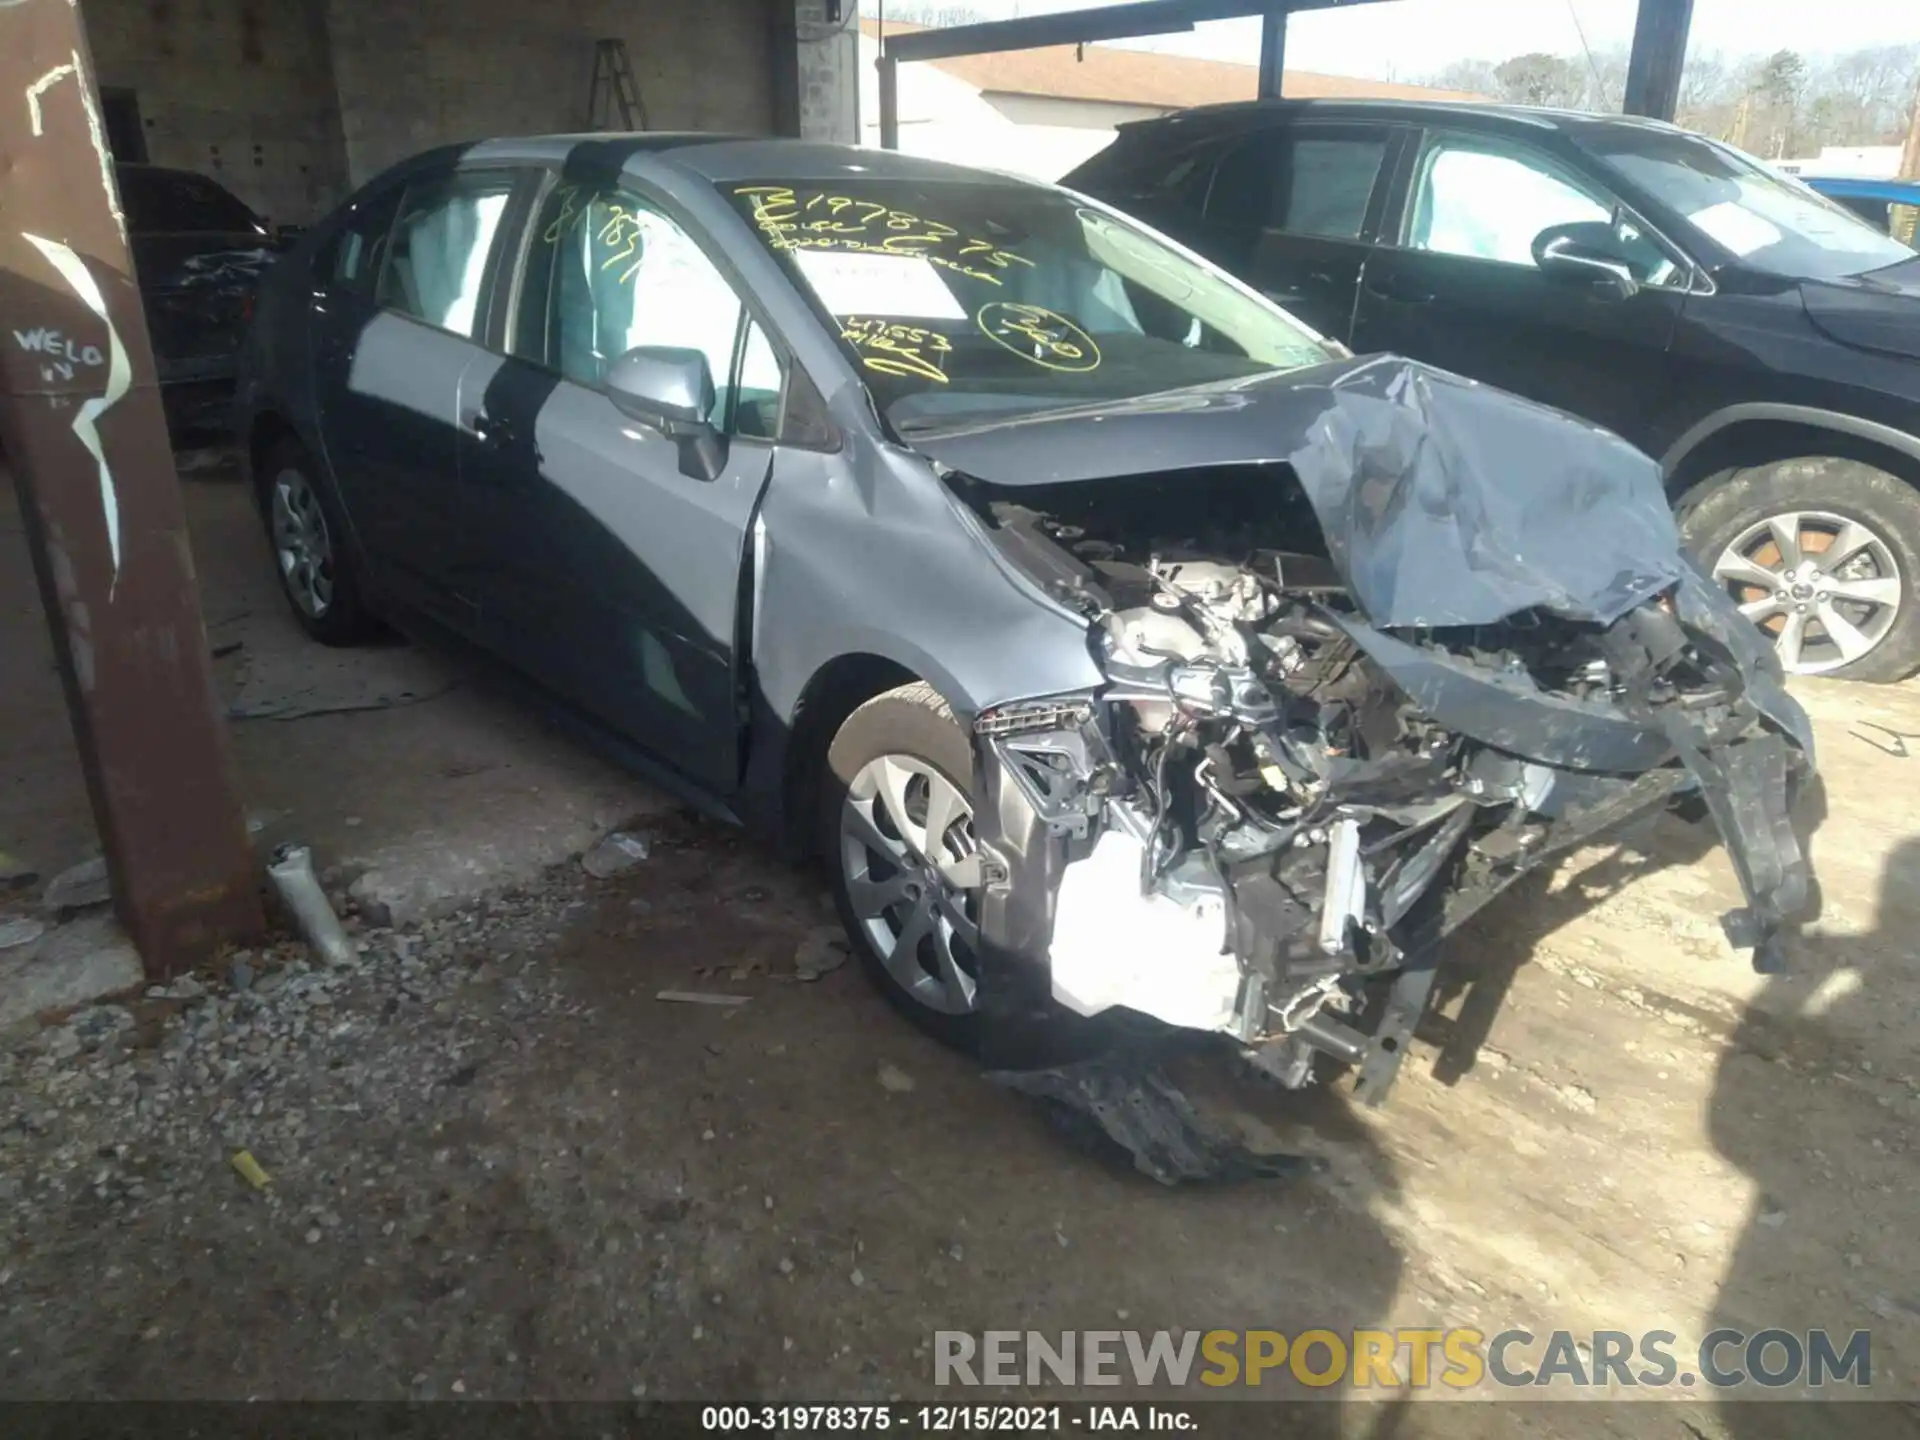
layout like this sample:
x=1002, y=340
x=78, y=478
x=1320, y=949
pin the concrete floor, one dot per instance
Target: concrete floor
x=1609, y=1121
x=443, y=789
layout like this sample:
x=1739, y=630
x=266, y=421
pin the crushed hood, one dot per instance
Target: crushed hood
x=1443, y=502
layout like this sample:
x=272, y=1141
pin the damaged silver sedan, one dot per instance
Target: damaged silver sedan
x=1141, y=664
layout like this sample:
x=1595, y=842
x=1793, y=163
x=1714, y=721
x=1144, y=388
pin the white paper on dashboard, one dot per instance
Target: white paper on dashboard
x=851, y=283
x=1737, y=228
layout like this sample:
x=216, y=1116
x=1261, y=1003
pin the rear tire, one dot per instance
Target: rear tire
x=904, y=754
x=307, y=537
x=1761, y=532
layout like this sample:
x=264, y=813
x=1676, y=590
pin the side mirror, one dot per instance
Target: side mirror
x=1585, y=253
x=670, y=389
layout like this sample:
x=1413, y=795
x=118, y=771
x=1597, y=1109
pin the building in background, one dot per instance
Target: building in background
x=1859, y=162
x=1041, y=112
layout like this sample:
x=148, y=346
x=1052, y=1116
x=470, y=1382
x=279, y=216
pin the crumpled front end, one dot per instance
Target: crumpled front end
x=1309, y=765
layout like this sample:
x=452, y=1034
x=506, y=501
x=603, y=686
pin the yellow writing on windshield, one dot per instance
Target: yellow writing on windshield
x=819, y=220
x=889, y=348
x=1047, y=338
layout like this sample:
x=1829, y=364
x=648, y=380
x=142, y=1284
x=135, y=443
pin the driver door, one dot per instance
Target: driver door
x=1461, y=289
x=606, y=571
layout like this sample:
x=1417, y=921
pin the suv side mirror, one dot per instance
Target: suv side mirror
x=1585, y=252
x=670, y=389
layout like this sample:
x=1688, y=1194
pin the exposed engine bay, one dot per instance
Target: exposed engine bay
x=1268, y=820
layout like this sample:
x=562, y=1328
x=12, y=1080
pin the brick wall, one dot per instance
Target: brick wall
x=438, y=70
x=236, y=89
x=291, y=103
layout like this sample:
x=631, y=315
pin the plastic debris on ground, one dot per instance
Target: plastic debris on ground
x=250, y=1171
x=1124, y=1104
x=76, y=888
x=615, y=853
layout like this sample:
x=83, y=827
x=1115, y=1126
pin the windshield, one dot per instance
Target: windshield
x=1772, y=222
x=956, y=297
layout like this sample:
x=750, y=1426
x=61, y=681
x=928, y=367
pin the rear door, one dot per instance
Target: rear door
x=1455, y=283
x=394, y=335
x=1293, y=210
x=609, y=573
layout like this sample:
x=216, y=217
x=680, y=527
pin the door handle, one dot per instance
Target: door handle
x=497, y=434
x=1392, y=287
x=492, y=430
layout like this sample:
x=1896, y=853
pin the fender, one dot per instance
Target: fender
x=1870, y=430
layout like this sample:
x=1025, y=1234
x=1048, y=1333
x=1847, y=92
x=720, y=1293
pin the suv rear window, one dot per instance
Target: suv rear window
x=168, y=202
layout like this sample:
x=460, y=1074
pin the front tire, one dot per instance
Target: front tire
x=307, y=535
x=1823, y=555
x=896, y=828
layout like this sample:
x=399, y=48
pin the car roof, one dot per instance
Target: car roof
x=719, y=157
x=1487, y=115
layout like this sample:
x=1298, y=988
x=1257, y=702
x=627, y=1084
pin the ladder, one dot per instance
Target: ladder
x=613, y=87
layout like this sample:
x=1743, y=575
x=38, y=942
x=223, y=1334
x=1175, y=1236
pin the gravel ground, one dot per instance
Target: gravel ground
x=500, y=1167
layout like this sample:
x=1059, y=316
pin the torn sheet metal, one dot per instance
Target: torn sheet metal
x=1443, y=502
x=1333, y=746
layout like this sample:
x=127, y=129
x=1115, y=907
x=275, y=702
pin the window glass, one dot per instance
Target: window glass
x=757, y=413
x=1771, y=221
x=167, y=202
x=968, y=295
x=436, y=260
x=621, y=274
x=1303, y=184
x=352, y=258
x=1491, y=205
x=1328, y=185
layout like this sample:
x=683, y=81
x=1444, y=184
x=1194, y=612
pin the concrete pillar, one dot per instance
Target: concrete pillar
x=827, y=51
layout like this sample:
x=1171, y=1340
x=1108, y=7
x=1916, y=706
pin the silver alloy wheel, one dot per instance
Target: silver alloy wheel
x=1825, y=589
x=909, y=856
x=301, y=543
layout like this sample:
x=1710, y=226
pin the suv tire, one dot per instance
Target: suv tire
x=1744, y=526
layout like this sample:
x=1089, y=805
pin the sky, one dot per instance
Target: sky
x=1407, y=39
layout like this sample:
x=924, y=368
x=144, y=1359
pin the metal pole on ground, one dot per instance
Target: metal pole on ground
x=83, y=432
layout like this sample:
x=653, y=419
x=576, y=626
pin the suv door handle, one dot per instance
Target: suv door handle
x=1393, y=287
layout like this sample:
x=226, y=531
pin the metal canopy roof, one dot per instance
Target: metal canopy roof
x=1653, y=68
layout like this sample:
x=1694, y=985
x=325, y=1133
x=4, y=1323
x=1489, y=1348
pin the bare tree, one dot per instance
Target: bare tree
x=1775, y=104
x=1540, y=79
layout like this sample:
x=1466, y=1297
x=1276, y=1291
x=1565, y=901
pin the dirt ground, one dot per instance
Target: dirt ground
x=501, y=1168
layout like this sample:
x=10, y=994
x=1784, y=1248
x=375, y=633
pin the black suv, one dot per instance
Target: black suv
x=1761, y=341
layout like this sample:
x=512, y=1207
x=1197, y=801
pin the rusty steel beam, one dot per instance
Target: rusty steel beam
x=82, y=429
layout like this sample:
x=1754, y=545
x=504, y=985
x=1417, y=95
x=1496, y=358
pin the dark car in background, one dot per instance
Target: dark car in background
x=1085, y=612
x=1759, y=341
x=198, y=254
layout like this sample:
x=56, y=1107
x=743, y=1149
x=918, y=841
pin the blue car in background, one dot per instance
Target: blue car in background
x=1889, y=205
